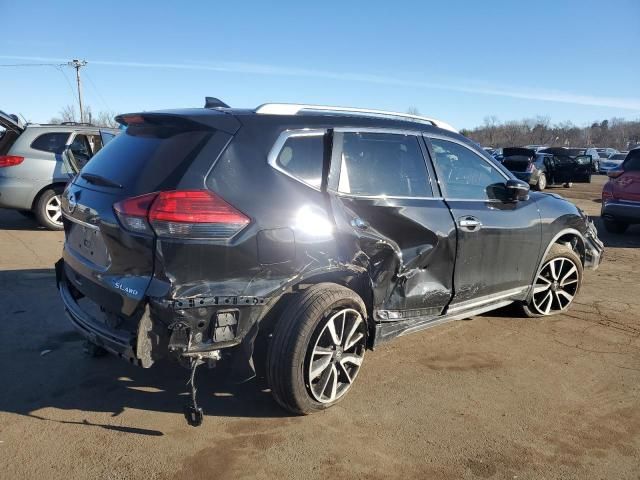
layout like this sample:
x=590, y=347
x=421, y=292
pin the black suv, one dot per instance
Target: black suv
x=292, y=238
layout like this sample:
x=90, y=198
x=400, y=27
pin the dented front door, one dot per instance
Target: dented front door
x=390, y=221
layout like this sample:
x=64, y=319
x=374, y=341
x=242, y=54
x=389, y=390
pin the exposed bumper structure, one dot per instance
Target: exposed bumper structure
x=118, y=342
x=593, y=247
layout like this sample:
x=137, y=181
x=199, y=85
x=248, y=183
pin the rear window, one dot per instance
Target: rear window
x=51, y=142
x=147, y=158
x=632, y=163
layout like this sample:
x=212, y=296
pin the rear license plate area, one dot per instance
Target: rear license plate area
x=88, y=242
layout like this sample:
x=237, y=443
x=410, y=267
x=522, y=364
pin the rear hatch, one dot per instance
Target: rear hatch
x=517, y=164
x=10, y=130
x=108, y=263
x=518, y=159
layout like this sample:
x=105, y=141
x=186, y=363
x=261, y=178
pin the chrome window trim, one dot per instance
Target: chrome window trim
x=272, y=157
x=381, y=197
x=391, y=131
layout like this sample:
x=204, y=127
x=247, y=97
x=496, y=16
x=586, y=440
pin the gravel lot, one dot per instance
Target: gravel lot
x=493, y=397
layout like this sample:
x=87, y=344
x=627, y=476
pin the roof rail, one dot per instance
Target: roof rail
x=296, y=108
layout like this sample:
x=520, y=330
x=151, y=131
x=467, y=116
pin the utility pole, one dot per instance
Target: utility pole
x=78, y=64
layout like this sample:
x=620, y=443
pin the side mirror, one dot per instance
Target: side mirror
x=517, y=190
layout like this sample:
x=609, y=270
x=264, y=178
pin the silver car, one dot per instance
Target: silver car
x=37, y=161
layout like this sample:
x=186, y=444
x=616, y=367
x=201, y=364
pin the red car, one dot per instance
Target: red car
x=621, y=195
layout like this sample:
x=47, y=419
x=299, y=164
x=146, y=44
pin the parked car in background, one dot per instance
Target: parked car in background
x=528, y=166
x=621, y=195
x=606, y=152
x=292, y=238
x=570, y=164
x=613, y=162
x=535, y=148
x=37, y=161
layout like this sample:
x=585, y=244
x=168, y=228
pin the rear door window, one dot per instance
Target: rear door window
x=53, y=142
x=300, y=155
x=379, y=164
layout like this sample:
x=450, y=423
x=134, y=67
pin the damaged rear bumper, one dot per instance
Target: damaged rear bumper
x=116, y=341
x=182, y=328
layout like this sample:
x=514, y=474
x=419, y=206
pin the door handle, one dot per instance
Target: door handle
x=359, y=223
x=469, y=223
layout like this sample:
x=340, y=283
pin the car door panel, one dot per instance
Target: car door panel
x=406, y=239
x=498, y=240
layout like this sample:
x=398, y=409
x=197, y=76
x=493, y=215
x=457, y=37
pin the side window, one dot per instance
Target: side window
x=374, y=164
x=465, y=175
x=51, y=142
x=301, y=157
x=81, y=150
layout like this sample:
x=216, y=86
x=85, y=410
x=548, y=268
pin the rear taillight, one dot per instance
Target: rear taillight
x=133, y=213
x=10, y=160
x=181, y=214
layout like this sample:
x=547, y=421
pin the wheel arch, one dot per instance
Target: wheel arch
x=568, y=236
x=45, y=188
x=353, y=279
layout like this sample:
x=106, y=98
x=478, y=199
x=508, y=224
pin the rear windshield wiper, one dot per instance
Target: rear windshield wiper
x=100, y=180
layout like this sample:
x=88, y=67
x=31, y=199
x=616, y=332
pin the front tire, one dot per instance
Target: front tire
x=557, y=283
x=48, y=209
x=317, y=348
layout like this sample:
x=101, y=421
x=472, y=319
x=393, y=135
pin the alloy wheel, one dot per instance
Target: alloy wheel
x=556, y=286
x=53, y=209
x=337, y=355
x=542, y=182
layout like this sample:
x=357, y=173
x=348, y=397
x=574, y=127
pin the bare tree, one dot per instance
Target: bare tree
x=413, y=111
x=616, y=132
x=68, y=113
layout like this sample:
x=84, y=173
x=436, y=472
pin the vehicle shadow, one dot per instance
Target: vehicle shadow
x=14, y=220
x=44, y=367
x=628, y=239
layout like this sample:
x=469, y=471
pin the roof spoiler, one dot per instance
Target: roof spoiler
x=213, y=102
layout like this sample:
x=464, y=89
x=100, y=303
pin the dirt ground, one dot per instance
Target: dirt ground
x=493, y=397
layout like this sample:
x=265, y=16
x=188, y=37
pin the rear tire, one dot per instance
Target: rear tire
x=48, y=210
x=317, y=348
x=542, y=182
x=615, y=226
x=557, y=283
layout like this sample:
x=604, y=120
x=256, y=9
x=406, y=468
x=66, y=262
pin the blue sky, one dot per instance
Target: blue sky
x=458, y=61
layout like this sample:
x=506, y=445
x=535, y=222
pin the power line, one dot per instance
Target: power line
x=32, y=64
x=97, y=91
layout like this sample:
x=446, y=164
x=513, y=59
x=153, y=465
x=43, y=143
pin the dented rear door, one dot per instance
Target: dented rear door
x=391, y=222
